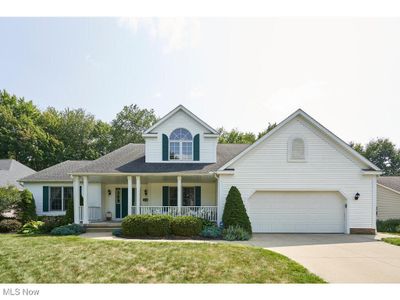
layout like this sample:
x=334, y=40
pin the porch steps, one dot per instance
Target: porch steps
x=102, y=226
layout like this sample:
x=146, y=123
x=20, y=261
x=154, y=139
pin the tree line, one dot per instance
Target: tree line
x=40, y=139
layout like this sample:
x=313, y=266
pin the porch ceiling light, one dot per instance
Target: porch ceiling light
x=356, y=196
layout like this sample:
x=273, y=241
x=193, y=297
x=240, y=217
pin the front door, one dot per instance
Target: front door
x=121, y=202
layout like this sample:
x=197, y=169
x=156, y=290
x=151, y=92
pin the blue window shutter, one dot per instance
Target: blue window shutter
x=196, y=147
x=133, y=197
x=45, y=198
x=197, y=195
x=165, y=195
x=164, y=147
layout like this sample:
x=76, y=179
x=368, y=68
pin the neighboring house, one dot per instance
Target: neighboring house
x=12, y=170
x=388, y=198
x=299, y=177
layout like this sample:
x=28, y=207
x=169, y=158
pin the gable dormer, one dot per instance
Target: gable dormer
x=181, y=137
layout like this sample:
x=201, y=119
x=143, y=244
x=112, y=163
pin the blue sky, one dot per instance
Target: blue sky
x=239, y=73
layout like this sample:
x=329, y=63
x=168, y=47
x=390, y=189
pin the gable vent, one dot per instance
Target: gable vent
x=297, y=151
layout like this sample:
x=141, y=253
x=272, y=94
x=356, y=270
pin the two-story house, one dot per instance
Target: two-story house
x=299, y=177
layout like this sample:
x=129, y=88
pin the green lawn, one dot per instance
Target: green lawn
x=393, y=241
x=47, y=259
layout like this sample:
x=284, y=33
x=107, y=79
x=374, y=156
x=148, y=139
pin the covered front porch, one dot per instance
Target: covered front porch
x=100, y=198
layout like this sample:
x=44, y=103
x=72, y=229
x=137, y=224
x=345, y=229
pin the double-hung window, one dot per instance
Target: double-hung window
x=59, y=196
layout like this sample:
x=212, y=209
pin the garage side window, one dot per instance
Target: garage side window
x=297, y=149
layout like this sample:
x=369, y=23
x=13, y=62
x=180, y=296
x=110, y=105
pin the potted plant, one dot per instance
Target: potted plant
x=108, y=216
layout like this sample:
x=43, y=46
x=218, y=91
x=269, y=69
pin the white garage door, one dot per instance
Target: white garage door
x=303, y=212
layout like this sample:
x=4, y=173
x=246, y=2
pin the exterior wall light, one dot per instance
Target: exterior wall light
x=109, y=192
x=356, y=196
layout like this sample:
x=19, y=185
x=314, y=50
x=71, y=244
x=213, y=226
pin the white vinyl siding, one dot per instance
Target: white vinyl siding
x=328, y=168
x=208, y=145
x=388, y=204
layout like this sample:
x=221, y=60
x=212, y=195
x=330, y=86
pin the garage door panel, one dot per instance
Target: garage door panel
x=296, y=212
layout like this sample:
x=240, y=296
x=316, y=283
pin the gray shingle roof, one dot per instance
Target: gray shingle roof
x=12, y=170
x=59, y=172
x=392, y=182
x=130, y=159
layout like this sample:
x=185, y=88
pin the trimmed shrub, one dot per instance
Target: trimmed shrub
x=33, y=227
x=211, y=232
x=235, y=233
x=51, y=222
x=117, y=232
x=26, y=208
x=135, y=225
x=10, y=225
x=186, y=226
x=71, y=229
x=159, y=225
x=146, y=225
x=235, y=212
x=391, y=225
x=206, y=223
x=69, y=214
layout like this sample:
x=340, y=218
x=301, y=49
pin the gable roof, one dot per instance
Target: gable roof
x=173, y=112
x=317, y=125
x=12, y=170
x=58, y=172
x=131, y=159
x=391, y=182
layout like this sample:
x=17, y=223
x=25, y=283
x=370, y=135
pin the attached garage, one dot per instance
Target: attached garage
x=297, y=212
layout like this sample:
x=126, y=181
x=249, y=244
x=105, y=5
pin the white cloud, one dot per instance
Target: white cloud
x=174, y=33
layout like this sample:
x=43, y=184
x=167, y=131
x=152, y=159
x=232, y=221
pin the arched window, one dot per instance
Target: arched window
x=297, y=151
x=180, y=145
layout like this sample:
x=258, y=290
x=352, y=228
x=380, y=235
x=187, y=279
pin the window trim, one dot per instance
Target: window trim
x=289, y=150
x=63, y=203
x=180, y=143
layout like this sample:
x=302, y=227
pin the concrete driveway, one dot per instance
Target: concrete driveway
x=338, y=258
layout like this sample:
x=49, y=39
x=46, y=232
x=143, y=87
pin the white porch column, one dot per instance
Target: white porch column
x=138, y=195
x=76, y=199
x=85, y=200
x=179, y=190
x=129, y=195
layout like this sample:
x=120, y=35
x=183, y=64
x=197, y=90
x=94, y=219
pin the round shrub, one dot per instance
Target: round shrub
x=235, y=233
x=117, y=232
x=159, y=225
x=211, y=232
x=135, y=225
x=235, y=212
x=10, y=225
x=71, y=229
x=186, y=226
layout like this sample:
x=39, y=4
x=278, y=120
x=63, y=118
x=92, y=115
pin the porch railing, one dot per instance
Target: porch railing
x=205, y=212
x=159, y=210
x=94, y=213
